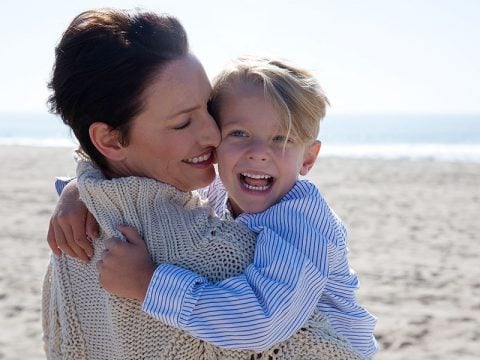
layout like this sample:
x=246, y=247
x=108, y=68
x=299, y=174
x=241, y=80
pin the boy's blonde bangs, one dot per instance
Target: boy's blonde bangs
x=294, y=92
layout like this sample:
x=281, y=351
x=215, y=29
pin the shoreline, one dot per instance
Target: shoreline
x=450, y=153
x=413, y=235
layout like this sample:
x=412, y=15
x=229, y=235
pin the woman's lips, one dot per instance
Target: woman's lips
x=204, y=160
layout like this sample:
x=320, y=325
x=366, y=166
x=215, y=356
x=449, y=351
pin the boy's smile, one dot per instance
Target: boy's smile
x=257, y=163
x=256, y=182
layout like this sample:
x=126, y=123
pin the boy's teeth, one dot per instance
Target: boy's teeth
x=199, y=158
x=256, y=176
x=257, y=188
x=256, y=182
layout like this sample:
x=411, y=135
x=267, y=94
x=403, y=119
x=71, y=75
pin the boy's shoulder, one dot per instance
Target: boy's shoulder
x=307, y=200
x=303, y=189
x=303, y=204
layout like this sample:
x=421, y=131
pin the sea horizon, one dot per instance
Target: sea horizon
x=442, y=137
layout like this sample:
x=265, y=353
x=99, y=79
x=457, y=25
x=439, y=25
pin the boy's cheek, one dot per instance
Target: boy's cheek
x=225, y=154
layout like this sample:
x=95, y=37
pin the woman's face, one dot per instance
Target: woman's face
x=173, y=139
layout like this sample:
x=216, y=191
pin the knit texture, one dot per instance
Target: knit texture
x=82, y=321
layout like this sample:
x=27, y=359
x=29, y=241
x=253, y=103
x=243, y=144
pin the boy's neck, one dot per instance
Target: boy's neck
x=234, y=210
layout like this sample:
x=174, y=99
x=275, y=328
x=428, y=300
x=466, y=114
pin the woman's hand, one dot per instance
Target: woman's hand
x=72, y=226
x=126, y=267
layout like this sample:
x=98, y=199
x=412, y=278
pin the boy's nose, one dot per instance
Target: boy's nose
x=254, y=157
x=258, y=151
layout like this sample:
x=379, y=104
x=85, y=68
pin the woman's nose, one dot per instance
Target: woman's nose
x=210, y=134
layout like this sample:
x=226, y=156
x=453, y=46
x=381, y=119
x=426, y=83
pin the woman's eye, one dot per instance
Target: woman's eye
x=183, y=125
x=238, y=133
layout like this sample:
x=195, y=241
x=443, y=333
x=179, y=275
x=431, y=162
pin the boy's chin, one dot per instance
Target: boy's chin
x=253, y=208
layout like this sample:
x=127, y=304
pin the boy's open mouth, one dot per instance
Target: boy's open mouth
x=256, y=182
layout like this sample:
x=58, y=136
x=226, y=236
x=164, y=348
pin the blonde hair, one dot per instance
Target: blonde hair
x=294, y=92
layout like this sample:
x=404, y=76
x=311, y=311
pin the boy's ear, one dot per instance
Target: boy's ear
x=106, y=140
x=310, y=157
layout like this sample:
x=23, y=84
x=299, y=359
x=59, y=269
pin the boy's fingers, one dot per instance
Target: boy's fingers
x=61, y=240
x=112, y=244
x=51, y=240
x=79, y=253
x=66, y=242
x=92, y=227
x=131, y=234
x=81, y=245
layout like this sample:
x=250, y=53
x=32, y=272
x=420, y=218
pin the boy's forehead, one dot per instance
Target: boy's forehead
x=240, y=89
x=242, y=100
x=267, y=124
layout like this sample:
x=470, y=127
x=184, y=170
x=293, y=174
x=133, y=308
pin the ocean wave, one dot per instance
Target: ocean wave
x=439, y=152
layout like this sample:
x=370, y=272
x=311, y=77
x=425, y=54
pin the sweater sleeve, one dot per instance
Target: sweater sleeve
x=267, y=304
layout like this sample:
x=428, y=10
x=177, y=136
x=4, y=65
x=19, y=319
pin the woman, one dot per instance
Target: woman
x=136, y=100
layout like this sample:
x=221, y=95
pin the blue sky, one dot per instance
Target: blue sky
x=371, y=56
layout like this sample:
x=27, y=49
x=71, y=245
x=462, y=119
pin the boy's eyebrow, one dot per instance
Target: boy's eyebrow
x=230, y=121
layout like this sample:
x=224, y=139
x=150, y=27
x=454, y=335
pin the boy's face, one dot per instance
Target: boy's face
x=255, y=166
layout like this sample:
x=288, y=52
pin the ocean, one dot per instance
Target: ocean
x=437, y=137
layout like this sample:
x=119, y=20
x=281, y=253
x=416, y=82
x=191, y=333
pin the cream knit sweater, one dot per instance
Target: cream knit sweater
x=82, y=321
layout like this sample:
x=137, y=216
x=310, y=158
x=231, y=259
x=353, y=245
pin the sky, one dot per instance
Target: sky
x=371, y=56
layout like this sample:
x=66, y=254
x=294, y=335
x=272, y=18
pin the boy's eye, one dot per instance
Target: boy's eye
x=238, y=133
x=282, y=139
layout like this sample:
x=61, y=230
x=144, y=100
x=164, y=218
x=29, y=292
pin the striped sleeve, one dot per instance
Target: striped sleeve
x=267, y=304
x=167, y=291
x=60, y=183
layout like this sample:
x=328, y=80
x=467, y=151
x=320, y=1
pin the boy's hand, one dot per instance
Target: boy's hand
x=71, y=226
x=126, y=267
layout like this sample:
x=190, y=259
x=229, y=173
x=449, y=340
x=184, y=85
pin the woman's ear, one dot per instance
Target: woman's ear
x=107, y=141
x=310, y=156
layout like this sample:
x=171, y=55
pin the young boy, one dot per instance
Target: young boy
x=268, y=113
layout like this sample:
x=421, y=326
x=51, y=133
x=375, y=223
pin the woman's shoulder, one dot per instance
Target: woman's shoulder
x=93, y=184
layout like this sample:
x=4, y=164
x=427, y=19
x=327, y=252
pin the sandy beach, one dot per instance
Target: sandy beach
x=413, y=233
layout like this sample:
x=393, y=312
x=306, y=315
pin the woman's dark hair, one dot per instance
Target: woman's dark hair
x=104, y=62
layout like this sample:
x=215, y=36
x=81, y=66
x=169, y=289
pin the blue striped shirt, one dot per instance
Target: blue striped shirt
x=61, y=182
x=300, y=263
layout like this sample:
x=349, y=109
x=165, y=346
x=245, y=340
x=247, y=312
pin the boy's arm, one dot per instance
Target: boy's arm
x=61, y=182
x=267, y=304
x=71, y=224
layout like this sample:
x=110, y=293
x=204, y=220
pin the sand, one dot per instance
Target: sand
x=414, y=239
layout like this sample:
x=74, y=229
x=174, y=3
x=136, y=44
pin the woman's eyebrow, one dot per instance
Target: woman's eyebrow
x=183, y=111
